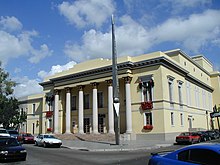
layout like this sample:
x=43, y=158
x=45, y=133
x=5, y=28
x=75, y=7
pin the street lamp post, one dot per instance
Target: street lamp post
x=115, y=87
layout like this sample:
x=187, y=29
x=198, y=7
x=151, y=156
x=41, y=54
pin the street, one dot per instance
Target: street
x=57, y=156
x=64, y=156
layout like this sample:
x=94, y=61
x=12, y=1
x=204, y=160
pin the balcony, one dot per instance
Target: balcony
x=49, y=114
x=49, y=129
x=147, y=105
x=148, y=127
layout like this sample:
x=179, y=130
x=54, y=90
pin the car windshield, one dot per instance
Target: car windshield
x=185, y=134
x=28, y=135
x=8, y=142
x=12, y=132
x=49, y=136
x=3, y=131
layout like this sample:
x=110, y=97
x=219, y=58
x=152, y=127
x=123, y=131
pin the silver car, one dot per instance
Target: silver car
x=47, y=140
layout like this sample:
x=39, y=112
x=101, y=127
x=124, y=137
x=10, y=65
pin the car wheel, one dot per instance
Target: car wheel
x=45, y=145
x=205, y=139
x=210, y=138
x=35, y=143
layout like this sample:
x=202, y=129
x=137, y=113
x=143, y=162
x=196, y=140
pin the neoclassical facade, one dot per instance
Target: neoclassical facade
x=160, y=95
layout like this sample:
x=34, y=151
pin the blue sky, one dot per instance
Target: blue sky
x=42, y=37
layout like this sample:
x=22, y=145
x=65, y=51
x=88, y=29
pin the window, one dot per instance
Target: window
x=86, y=101
x=33, y=108
x=100, y=100
x=188, y=93
x=147, y=90
x=199, y=156
x=73, y=103
x=181, y=119
x=204, y=156
x=183, y=156
x=170, y=90
x=204, y=98
x=180, y=92
x=148, y=119
x=172, y=118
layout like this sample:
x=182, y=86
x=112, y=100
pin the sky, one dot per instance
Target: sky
x=39, y=38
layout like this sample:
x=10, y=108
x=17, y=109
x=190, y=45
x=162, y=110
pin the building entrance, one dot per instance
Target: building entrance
x=101, y=123
x=86, y=125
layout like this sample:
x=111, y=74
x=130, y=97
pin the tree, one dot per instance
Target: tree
x=9, y=112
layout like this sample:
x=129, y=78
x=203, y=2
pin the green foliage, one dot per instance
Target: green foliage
x=9, y=112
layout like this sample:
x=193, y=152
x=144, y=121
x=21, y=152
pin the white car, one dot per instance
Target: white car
x=47, y=140
x=4, y=132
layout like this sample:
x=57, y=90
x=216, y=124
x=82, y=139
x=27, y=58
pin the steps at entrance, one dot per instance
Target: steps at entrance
x=87, y=137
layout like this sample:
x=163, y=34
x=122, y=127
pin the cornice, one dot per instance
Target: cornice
x=127, y=65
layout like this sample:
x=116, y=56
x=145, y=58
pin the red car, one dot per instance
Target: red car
x=188, y=137
x=26, y=138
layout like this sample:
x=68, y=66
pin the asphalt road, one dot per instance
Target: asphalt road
x=64, y=156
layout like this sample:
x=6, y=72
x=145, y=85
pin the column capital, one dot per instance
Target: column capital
x=109, y=82
x=68, y=89
x=56, y=91
x=81, y=87
x=95, y=85
x=127, y=79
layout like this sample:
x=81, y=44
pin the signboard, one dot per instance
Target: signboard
x=215, y=114
x=116, y=106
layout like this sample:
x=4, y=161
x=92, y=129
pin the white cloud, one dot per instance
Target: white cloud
x=10, y=24
x=132, y=38
x=26, y=87
x=38, y=55
x=56, y=69
x=87, y=12
x=14, y=45
x=193, y=32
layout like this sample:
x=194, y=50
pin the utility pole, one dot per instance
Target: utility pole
x=115, y=87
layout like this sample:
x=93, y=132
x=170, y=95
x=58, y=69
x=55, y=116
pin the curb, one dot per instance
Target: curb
x=118, y=149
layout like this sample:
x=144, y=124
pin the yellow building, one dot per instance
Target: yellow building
x=33, y=107
x=161, y=94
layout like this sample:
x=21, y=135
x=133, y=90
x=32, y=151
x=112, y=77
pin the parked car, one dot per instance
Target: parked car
x=188, y=137
x=217, y=133
x=4, y=132
x=13, y=133
x=10, y=149
x=26, y=138
x=204, y=136
x=212, y=134
x=47, y=140
x=204, y=153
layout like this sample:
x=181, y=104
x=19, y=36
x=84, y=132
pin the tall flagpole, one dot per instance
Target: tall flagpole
x=115, y=87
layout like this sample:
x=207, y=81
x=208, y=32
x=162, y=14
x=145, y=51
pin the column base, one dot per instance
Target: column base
x=68, y=133
x=129, y=131
x=111, y=132
x=81, y=132
x=96, y=132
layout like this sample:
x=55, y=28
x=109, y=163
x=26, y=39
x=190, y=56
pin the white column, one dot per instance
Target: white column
x=56, y=112
x=48, y=123
x=68, y=112
x=81, y=109
x=95, y=108
x=110, y=108
x=128, y=105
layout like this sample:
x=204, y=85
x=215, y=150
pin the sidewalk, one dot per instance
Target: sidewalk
x=110, y=145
